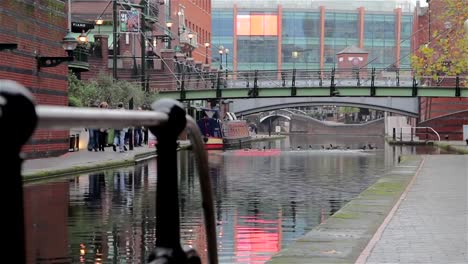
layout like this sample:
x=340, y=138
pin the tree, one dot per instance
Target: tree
x=104, y=88
x=446, y=53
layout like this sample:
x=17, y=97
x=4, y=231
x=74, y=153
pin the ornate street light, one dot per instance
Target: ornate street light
x=221, y=51
x=69, y=44
x=169, y=26
x=83, y=38
x=99, y=22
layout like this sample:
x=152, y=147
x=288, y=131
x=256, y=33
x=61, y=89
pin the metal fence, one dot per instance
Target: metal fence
x=19, y=117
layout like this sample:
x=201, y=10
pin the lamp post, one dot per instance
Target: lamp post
x=226, y=52
x=190, y=36
x=207, y=45
x=294, y=55
x=221, y=50
x=99, y=22
x=169, y=26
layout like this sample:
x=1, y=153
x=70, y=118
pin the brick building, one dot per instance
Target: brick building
x=37, y=27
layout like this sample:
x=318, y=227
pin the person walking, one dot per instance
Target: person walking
x=119, y=134
x=102, y=132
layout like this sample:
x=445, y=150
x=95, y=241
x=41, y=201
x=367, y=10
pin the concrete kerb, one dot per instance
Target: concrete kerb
x=462, y=149
x=343, y=236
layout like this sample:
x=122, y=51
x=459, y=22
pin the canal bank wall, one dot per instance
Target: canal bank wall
x=345, y=234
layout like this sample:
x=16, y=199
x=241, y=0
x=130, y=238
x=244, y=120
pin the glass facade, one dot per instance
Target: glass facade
x=341, y=31
x=222, y=35
x=405, y=42
x=301, y=37
x=260, y=40
x=379, y=39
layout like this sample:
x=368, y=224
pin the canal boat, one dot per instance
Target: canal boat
x=220, y=134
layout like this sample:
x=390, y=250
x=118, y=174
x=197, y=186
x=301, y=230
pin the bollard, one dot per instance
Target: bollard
x=168, y=248
x=16, y=103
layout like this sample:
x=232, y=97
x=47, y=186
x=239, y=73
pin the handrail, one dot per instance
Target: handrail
x=167, y=121
x=430, y=128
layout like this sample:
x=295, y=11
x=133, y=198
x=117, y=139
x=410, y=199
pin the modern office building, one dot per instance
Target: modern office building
x=286, y=34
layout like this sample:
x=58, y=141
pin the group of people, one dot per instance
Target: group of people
x=99, y=138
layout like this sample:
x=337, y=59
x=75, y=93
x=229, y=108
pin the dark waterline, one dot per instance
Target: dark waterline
x=264, y=201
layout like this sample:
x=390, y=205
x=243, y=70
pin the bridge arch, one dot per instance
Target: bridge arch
x=407, y=106
x=274, y=115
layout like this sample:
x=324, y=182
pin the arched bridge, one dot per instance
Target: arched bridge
x=309, y=83
x=408, y=106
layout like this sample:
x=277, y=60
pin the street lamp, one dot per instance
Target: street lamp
x=69, y=43
x=190, y=36
x=207, y=45
x=294, y=54
x=99, y=22
x=83, y=38
x=169, y=26
x=226, y=52
x=221, y=50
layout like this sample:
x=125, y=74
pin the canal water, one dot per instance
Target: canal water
x=266, y=197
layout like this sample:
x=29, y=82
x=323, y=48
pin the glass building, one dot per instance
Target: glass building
x=287, y=34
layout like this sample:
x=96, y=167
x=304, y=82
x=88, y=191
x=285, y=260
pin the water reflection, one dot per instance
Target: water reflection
x=263, y=202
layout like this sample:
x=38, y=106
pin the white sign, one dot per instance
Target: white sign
x=465, y=132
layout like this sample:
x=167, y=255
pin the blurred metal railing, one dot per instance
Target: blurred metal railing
x=19, y=117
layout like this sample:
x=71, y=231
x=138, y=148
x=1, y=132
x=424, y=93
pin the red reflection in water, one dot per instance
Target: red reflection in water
x=256, y=239
x=45, y=221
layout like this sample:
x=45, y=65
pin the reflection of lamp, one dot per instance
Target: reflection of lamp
x=207, y=45
x=69, y=43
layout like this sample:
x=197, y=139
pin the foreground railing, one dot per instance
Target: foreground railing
x=19, y=117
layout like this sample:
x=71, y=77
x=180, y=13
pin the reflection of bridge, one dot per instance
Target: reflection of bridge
x=309, y=83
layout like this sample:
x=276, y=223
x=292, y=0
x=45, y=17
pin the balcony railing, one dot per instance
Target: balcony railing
x=80, y=62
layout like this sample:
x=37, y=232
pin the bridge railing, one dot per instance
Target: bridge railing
x=19, y=117
x=190, y=80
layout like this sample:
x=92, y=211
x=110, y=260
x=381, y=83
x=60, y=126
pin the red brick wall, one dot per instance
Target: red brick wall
x=450, y=126
x=38, y=27
x=198, y=17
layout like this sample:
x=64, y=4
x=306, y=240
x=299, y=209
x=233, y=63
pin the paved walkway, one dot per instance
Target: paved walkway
x=83, y=160
x=431, y=223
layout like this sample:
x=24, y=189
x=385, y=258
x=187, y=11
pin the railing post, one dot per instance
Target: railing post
x=412, y=133
x=332, y=83
x=358, y=78
x=372, y=91
x=415, y=87
x=398, y=77
x=16, y=104
x=283, y=79
x=401, y=134
x=218, y=81
x=168, y=248
x=254, y=91
x=457, y=86
x=394, y=134
x=293, y=83
x=320, y=78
